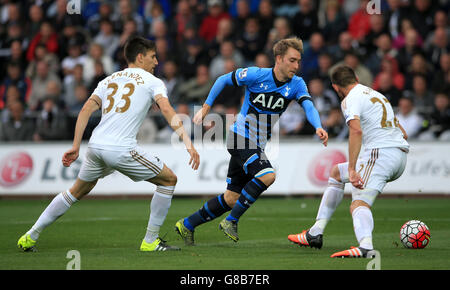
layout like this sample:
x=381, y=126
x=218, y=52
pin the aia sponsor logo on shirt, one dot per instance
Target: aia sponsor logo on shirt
x=15, y=168
x=320, y=167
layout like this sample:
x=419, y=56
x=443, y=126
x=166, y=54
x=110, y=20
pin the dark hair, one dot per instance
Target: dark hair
x=136, y=45
x=343, y=76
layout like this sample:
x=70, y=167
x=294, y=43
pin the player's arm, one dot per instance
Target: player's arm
x=219, y=85
x=92, y=104
x=314, y=119
x=174, y=121
x=354, y=147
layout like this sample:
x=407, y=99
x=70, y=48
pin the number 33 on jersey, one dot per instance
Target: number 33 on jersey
x=126, y=98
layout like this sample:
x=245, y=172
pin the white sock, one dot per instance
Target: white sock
x=159, y=207
x=363, y=226
x=57, y=207
x=331, y=198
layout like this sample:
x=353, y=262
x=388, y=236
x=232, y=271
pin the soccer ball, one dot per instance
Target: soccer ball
x=415, y=234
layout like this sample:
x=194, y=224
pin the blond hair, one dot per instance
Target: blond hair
x=281, y=47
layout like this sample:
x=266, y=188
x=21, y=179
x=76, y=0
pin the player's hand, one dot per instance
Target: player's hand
x=70, y=156
x=323, y=135
x=355, y=179
x=201, y=114
x=194, y=162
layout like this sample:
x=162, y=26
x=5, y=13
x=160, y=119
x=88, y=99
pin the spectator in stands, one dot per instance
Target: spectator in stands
x=422, y=96
x=107, y=38
x=266, y=17
x=192, y=56
x=96, y=54
x=61, y=18
x=224, y=32
x=335, y=22
x=385, y=85
x=305, y=22
x=310, y=58
x=46, y=36
x=345, y=45
x=408, y=117
x=156, y=15
x=325, y=62
x=377, y=28
x=99, y=75
x=242, y=14
x=421, y=14
x=383, y=50
x=183, y=17
x=41, y=53
x=129, y=30
x=352, y=60
x=418, y=65
x=39, y=84
x=126, y=12
x=227, y=51
x=281, y=29
x=359, y=23
x=81, y=94
x=250, y=41
x=171, y=79
x=18, y=127
x=194, y=90
x=75, y=56
x=105, y=12
x=399, y=40
x=410, y=48
x=229, y=100
x=51, y=123
x=439, y=119
x=390, y=66
x=440, y=82
x=440, y=45
x=70, y=85
x=208, y=27
x=394, y=16
x=15, y=77
x=262, y=60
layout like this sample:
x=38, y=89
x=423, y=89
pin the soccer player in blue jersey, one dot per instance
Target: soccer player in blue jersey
x=268, y=93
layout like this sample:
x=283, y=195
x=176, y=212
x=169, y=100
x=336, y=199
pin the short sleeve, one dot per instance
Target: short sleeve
x=159, y=88
x=100, y=89
x=351, y=108
x=245, y=76
x=302, y=91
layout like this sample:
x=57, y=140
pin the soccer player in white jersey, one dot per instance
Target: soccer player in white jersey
x=124, y=99
x=372, y=125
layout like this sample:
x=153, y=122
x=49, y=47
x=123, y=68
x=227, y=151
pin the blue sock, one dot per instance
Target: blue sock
x=249, y=194
x=213, y=208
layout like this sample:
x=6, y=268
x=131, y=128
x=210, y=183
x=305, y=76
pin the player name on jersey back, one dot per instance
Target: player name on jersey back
x=126, y=98
x=378, y=122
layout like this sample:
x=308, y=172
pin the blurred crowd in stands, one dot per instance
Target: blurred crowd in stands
x=51, y=61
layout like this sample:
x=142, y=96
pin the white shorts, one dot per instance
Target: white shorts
x=376, y=167
x=136, y=164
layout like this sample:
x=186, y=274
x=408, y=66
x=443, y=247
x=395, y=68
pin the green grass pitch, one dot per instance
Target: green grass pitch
x=107, y=234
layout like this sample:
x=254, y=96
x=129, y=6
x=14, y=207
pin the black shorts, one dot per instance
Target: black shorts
x=245, y=164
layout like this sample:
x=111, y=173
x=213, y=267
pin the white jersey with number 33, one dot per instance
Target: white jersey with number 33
x=126, y=98
x=378, y=123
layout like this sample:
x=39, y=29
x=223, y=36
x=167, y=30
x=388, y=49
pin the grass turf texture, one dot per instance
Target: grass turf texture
x=108, y=233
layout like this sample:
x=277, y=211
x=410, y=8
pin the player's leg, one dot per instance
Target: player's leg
x=57, y=207
x=165, y=183
x=255, y=165
x=331, y=198
x=91, y=170
x=216, y=206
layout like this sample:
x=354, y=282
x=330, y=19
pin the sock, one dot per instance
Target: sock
x=331, y=198
x=249, y=194
x=159, y=207
x=212, y=209
x=363, y=226
x=57, y=207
